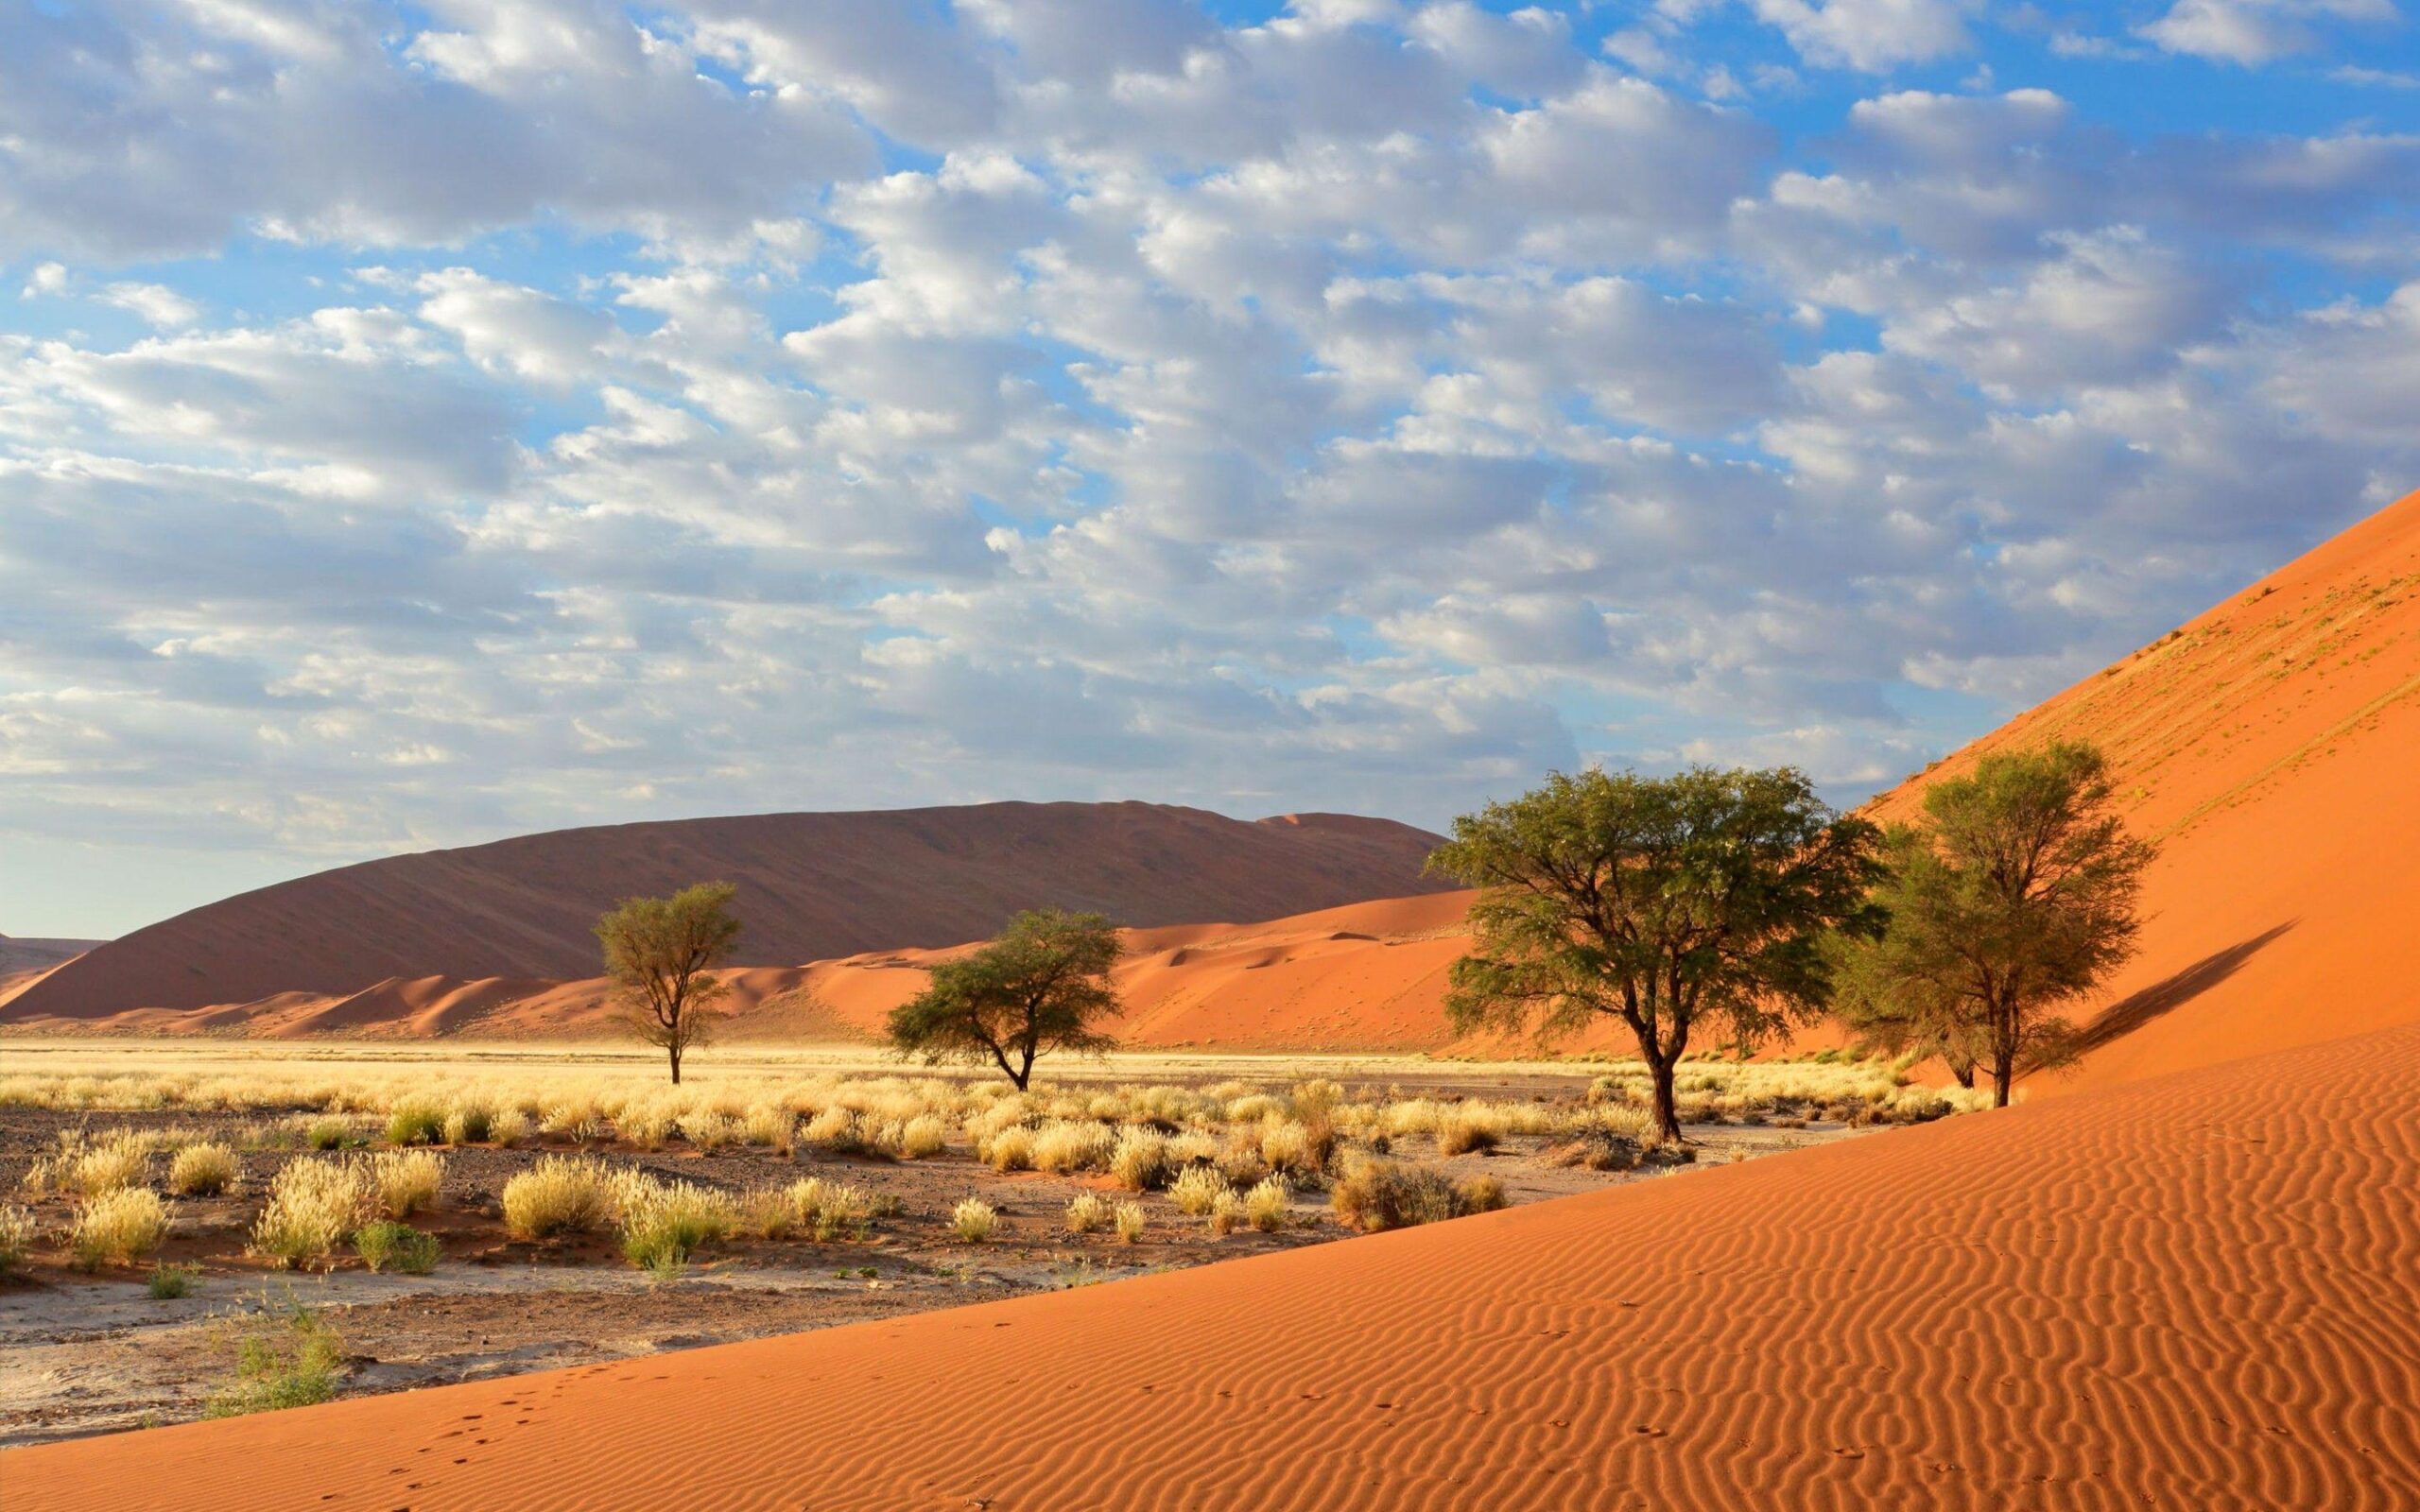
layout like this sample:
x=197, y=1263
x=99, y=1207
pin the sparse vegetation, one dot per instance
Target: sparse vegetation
x=664, y=1223
x=1087, y=1214
x=286, y=1355
x=406, y=1180
x=1130, y=1220
x=1375, y=1196
x=17, y=1227
x=972, y=1220
x=397, y=1246
x=120, y=1226
x=313, y=1204
x=169, y=1284
x=558, y=1196
x=203, y=1171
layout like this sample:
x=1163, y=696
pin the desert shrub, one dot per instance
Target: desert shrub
x=326, y=1134
x=1131, y=1219
x=121, y=1225
x=834, y=1128
x=170, y=1283
x=972, y=1220
x=922, y=1136
x=508, y=1126
x=1254, y=1108
x=468, y=1122
x=1196, y=1190
x=406, y=1180
x=1086, y=1213
x=1239, y=1161
x=1266, y=1205
x=1286, y=1145
x=770, y=1128
x=312, y=1206
x=711, y=1131
x=1140, y=1161
x=1462, y=1130
x=557, y=1195
x=202, y=1170
x=415, y=1123
x=92, y=1168
x=1011, y=1149
x=572, y=1116
x=16, y=1237
x=1065, y=1145
x=823, y=1210
x=285, y=1357
x=647, y=1125
x=399, y=1246
x=664, y=1223
x=1226, y=1213
x=1380, y=1195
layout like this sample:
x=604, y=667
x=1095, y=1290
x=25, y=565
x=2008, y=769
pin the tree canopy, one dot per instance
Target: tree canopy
x=2016, y=895
x=1663, y=902
x=661, y=951
x=1042, y=985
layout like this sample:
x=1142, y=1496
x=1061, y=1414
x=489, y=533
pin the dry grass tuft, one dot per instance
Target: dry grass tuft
x=203, y=1171
x=973, y=1219
x=406, y=1180
x=16, y=1237
x=1197, y=1189
x=312, y=1206
x=923, y=1137
x=558, y=1196
x=1130, y=1222
x=120, y=1226
x=1266, y=1205
x=1375, y=1196
x=1140, y=1161
x=1086, y=1213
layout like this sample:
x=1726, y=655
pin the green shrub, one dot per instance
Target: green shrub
x=397, y=1246
x=169, y=1283
x=286, y=1356
x=414, y=1122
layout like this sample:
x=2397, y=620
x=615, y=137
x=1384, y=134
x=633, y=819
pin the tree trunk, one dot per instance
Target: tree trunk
x=1667, y=1117
x=1962, y=1072
x=674, y=1051
x=2003, y=1069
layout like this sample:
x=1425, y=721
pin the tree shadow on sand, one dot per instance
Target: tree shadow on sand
x=2166, y=996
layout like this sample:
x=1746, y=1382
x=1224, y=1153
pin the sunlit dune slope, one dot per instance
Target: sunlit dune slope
x=2271, y=747
x=812, y=886
x=2192, y=1293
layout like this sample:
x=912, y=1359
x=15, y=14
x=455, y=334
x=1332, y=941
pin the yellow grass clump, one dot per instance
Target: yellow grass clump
x=972, y=1220
x=203, y=1171
x=1086, y=1213
x=122, y=1225
x=1140, y=1161
x=1131, y=1219
x=312, y=1206
x=557, y=1195
x=1197, y=1189
x=1266, y=1205
x=16, y=1236
x=406, y=1180
x=1064, y=1145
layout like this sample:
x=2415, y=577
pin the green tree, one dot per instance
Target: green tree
x=662, y=952
x=1040, y=985
x=2015, y=896
x=1663, y=902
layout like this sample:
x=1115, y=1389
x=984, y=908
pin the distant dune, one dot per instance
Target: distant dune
x=2193, y=1293
x=23, y=960
x=812, y=885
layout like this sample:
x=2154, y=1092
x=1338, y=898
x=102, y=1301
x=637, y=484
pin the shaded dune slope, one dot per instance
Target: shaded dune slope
x=2191, y=1293
x=812, y=886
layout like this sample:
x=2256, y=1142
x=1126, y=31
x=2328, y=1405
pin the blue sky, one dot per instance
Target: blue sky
x=426, y=423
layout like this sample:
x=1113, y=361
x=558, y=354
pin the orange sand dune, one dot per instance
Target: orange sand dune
x=2192, y=1293
x=811, y=886
x=2272, y=746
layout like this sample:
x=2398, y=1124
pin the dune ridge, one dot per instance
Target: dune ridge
x=2192, y=1292
x=812, y=886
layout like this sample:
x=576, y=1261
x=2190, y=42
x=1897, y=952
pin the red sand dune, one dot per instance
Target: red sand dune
x=2192, y=1293
x=812, y=885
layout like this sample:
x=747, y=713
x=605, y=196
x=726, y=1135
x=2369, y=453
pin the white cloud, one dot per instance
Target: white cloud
x=1870, y=35
x=2256, y=32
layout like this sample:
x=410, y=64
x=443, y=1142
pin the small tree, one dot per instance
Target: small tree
x=2015, y=896
x=662, y=949
x=1659, y=901
x=1040, y=985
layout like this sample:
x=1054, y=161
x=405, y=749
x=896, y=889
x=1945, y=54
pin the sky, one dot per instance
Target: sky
x=424, y=423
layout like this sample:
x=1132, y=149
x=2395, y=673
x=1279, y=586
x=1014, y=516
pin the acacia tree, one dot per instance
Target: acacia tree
x=662, y=952
x=1664, y=902
x=2015, y=896
x=1040, y=985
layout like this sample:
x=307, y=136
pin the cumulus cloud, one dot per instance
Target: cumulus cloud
x=419, y=424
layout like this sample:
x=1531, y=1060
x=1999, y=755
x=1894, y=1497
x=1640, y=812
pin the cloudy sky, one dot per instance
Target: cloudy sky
x=420, y=423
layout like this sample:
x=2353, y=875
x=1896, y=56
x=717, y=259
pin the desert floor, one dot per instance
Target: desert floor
x=84, y=1352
